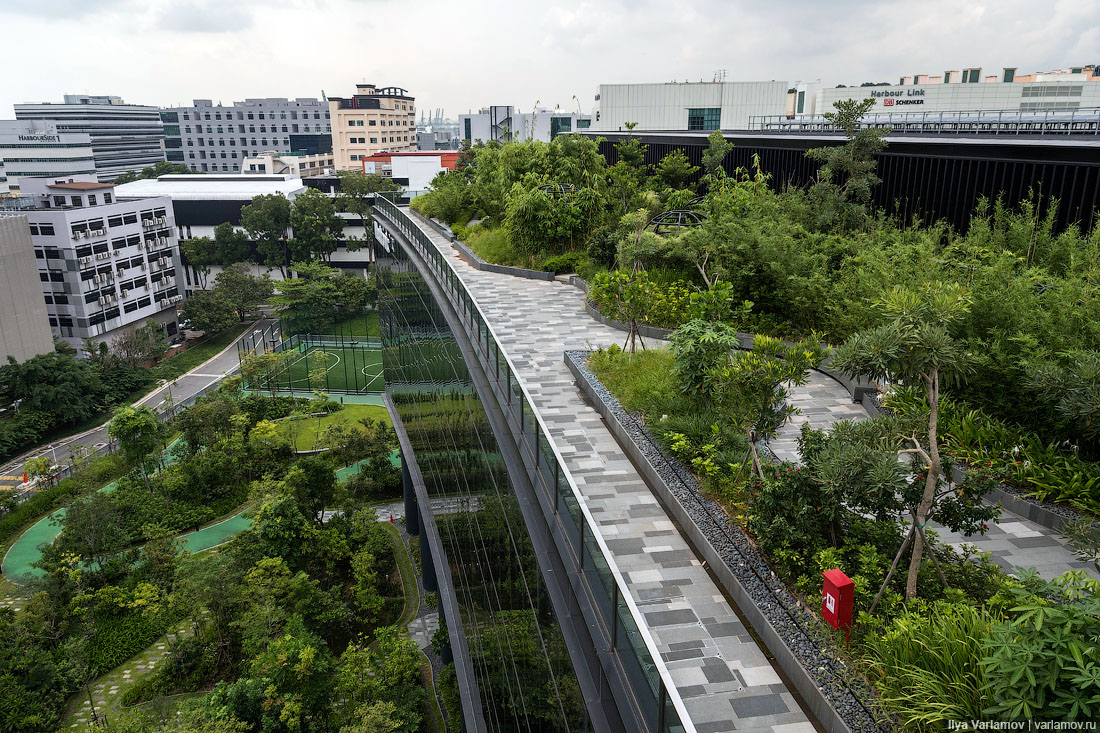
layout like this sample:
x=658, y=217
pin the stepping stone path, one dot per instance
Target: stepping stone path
x=108, y=690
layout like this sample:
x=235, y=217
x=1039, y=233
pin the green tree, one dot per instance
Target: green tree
x=675, y=170
x=139, y=433
x=210, y=311
x=199, y=252
x=93, y=528
x=313, y=483
x=714, y=156
x=243, y=290
x=230, y=244
x=915, y=346
x=266, y=220
x=56, y=384
x=143, y=343
x=847, y=172
x=317, y=228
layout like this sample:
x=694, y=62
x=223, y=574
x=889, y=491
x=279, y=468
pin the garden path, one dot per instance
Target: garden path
x=1012, y=541
x=724, y=678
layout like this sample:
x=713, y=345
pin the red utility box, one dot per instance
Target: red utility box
x=837, y=596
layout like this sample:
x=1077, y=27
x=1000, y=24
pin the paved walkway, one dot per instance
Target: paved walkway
x=1013, y=541
x=726, y=681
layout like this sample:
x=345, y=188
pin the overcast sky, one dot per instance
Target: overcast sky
x=463, y=55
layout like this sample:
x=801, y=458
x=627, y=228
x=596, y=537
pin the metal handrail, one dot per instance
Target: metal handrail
x=1080, y=121
x=668, y=684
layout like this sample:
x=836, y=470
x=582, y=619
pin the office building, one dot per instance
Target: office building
x=688, y=105
x=373, y=120
x=36, y=148
x=24, y=325
x=216, y=138
x=506, y=123
x=124, y=137
x=106, y=263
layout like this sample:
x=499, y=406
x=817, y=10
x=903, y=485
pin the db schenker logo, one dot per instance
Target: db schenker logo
x=888, y=102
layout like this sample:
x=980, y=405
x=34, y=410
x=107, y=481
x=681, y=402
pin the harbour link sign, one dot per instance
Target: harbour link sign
x=898, y=97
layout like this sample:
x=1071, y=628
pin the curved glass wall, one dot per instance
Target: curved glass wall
x=525, y=679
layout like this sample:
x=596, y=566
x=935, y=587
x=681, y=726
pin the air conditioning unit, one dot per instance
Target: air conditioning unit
x=85, y=260
x=162, y=220
x=101, y=232
x=143, y=266
x=98, y=279
x=115, y=252
x=120, y=272
x=124, y=292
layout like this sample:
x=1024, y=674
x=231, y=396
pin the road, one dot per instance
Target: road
x=177, y=390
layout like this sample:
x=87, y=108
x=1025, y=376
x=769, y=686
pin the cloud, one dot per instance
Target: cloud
x=204, y=16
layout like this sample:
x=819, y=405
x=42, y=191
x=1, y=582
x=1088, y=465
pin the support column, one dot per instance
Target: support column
x=412, y=509
x=427, y=565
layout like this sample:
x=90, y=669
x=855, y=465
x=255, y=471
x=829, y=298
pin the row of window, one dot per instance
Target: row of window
x=78, y=201
x=1054, y=90
x=209, y=142
x=385, y=123
x=254, y=116
x=79, y=159
x=704, y=118
x=240, y=129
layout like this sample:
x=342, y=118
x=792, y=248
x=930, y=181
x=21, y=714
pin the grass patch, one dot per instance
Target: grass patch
x=644, y=382
x=305, y=431
x=494, y=245
x=363, y=326
x=185, y=361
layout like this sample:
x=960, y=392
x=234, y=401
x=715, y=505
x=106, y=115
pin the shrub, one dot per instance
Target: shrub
x=1041, y=663
x=926, y=664
x=563, y=263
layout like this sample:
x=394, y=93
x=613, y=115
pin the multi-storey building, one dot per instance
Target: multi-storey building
x=504, y=123
x=124, y=137
x=216, y=138
x=36, y=148
x=24, y=328
x=105, y=263
x=374, y=120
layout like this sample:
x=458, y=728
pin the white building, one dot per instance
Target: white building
x=688, y=105
x=106, y=262
x=125, y=137
x=506, y=123
x=36, y=148
x=216, y=138
x=1061, y=94
x=24, y=326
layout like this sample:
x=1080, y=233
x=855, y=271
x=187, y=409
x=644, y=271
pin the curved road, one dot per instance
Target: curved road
x=194, y=381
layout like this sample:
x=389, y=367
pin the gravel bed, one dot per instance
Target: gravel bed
x=803, y=632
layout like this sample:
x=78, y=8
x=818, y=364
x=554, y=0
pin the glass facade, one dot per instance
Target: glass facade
x=704, y=118
x=524, y=675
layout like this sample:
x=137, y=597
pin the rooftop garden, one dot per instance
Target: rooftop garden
x=985, y=339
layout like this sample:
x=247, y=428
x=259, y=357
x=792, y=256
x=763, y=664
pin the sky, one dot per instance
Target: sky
x=465, y=55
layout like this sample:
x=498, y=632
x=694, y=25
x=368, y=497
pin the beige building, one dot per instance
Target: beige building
x=24, y=325
x=374, y=120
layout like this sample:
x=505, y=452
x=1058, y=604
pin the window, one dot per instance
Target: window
x=373, y=123
x=92, y=200
x=58, y=200
x=558, y=125
x=130, y=218
x=704, y=118
x=46, y=229
x=106, y=198
x=374, y=140
x=801, y=102
x=74, y=200
x=1009, y=75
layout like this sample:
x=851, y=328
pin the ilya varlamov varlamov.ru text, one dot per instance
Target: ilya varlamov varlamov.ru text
x=1021, y=725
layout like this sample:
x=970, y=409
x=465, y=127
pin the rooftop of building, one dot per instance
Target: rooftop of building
x=80, y=185
x=234, y=186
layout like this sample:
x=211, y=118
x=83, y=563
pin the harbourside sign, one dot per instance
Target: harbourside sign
x=39, y=138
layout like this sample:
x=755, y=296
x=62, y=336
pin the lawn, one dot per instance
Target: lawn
x=185, y=361
x=304, y=432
